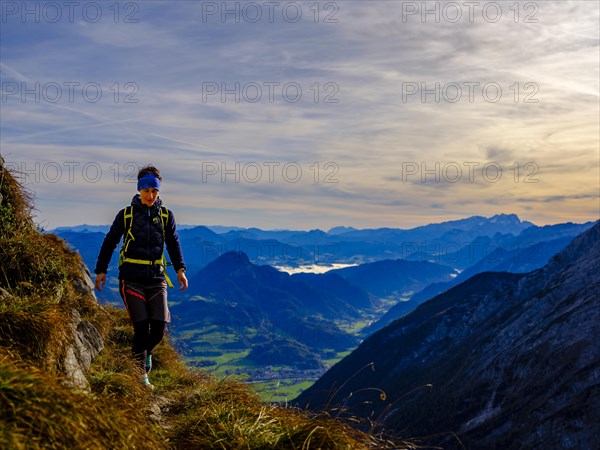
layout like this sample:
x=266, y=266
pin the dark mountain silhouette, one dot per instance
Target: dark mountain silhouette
x=516, y=261
x=425, y=243
x=200, y=232
x=340, y=230
x=84, y=228
x=469, y=252
x=458, y=244
x=500, y=247
x=239, y=292
x=394, y=277
x=258, y=234
x=233, y=277
x=335, y=284
x=308, y=237
x=502, y=360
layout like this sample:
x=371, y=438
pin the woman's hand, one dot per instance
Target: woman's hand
x=182, y=279
x=100, y=281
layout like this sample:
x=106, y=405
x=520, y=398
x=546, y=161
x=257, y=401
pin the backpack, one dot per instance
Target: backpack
x=128, y=237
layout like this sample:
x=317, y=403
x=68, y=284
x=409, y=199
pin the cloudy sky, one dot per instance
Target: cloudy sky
x=305, y=114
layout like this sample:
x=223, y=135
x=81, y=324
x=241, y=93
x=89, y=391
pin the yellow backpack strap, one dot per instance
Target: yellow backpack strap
x=164, y=217
x=128, y=215
x=127, y=234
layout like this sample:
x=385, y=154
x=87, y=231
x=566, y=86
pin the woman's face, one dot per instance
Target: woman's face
x=149, y=196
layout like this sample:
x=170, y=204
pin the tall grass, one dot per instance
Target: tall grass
x=37, y=411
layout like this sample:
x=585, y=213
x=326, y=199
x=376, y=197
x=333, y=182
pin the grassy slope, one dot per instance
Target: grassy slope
x=190, y=410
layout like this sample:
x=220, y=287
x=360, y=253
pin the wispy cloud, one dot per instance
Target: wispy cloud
x=368, y=94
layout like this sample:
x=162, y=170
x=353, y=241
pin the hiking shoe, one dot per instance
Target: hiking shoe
x=148, y=364
x=146, y=382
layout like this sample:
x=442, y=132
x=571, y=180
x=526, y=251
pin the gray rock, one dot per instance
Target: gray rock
x=155, y=412
x=86, y=341
x=85, y=345
x=4, y=294
x=84, y=284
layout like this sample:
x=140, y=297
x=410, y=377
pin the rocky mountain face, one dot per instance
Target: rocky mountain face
x=85, y=340
x=501, y=361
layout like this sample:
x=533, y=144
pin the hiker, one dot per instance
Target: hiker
x=146, y=226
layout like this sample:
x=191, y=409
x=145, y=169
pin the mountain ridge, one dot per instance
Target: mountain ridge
x=440, y=243
x=510, y=219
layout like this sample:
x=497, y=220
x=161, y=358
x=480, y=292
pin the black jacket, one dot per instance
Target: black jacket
x=147, y=245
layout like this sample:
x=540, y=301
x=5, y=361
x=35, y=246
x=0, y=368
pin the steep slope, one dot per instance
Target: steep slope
x=501, y=361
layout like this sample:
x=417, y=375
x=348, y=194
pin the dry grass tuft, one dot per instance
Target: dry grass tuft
x=37, y=411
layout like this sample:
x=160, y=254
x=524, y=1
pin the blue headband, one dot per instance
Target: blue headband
x=148, y=181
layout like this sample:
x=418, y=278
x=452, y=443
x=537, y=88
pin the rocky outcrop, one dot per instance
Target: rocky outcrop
x=84, y=284
x=85, y=342
x=502, y=360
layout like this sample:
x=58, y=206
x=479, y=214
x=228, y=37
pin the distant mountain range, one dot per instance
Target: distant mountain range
x=439, y=243
x=502, y=360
